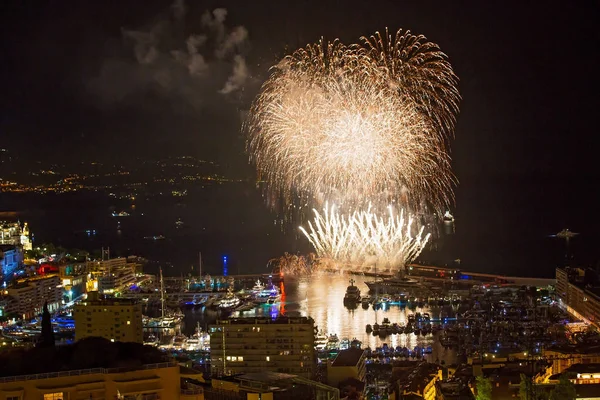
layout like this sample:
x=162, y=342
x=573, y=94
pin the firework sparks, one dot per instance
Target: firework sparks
x=358, y=125
x=365, y=241
x=349, y=123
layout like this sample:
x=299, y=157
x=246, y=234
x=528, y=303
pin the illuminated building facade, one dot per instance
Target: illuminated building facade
x=245, y=345
x=151, y=381
x=115, y=319
x=113, y=275
x=14, y=234
x=10, y=259
x=579, y=299
x=29, y=295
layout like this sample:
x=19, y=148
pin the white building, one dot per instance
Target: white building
x=12, y=233
x=28, y=296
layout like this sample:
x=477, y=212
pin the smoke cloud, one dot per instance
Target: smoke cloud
x=168, y=60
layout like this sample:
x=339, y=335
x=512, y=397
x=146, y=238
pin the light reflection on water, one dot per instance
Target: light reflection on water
x=321, y=297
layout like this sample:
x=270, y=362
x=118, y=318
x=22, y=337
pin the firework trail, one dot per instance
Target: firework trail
x=365, y=241
x=363, y=124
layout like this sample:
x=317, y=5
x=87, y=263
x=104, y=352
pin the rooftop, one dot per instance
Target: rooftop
x=581, y=348
x=266, y=377
x=418, y=378
x=95, y=299
x=348, y=358
x=112, y=301
x=266, y=320
x=584, y=368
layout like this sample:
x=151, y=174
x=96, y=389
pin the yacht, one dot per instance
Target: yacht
x=333, y=342
x=230, y=301
x=365, y=301
x=199, y=341
x=448, y=218
x=151, y=340
x=352, y=293
x=321, y=341
x=159, y=237
x=258, y=287
x=267, y=294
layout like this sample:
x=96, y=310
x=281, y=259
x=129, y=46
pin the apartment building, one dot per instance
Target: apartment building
x=115, y=319
x=147, y=382
x=245, y=345
x=580, y=300
x=29, y=295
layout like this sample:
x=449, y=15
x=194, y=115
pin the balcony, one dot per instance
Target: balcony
x=192, y=394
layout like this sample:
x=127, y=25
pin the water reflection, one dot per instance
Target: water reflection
x=321, y=297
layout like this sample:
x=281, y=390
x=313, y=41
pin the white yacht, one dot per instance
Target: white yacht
x=268, y=295
x=230, y=301
x=199, y=341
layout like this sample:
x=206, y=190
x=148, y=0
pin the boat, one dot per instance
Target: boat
x=230, y=301
x=266, y=294
x=365, y=301
x=320, y=341
x=151, y=340
x=448, y=218
x=199, y=341
x=258, y=287
x=159, y=237
x=332, y=342
x=352, y=293
x=179, y=223
x=274, y=298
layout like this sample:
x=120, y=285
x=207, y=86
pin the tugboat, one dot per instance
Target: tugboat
x=365, y=301
x=352, y=295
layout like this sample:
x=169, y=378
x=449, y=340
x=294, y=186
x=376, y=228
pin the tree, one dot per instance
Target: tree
x=47, y=337
x=525, y=389
x=564, y=389
x=484, y=388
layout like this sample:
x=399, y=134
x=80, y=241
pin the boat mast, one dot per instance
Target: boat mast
x=162, y=295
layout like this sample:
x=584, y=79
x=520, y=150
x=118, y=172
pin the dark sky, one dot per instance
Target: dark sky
x=101, y=78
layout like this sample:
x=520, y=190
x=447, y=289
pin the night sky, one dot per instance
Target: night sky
x=108, y=79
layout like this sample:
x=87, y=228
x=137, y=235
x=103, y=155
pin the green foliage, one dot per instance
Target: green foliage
x=484, y=388
x=525, y=389
x=564, y=389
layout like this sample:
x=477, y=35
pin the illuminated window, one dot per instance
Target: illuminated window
x=54, y=396
x=128, y=322
x=268, y=358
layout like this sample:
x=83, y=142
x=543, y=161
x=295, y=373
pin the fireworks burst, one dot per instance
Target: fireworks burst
x=349, y=123
x=364, y=241
x=358, y=125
